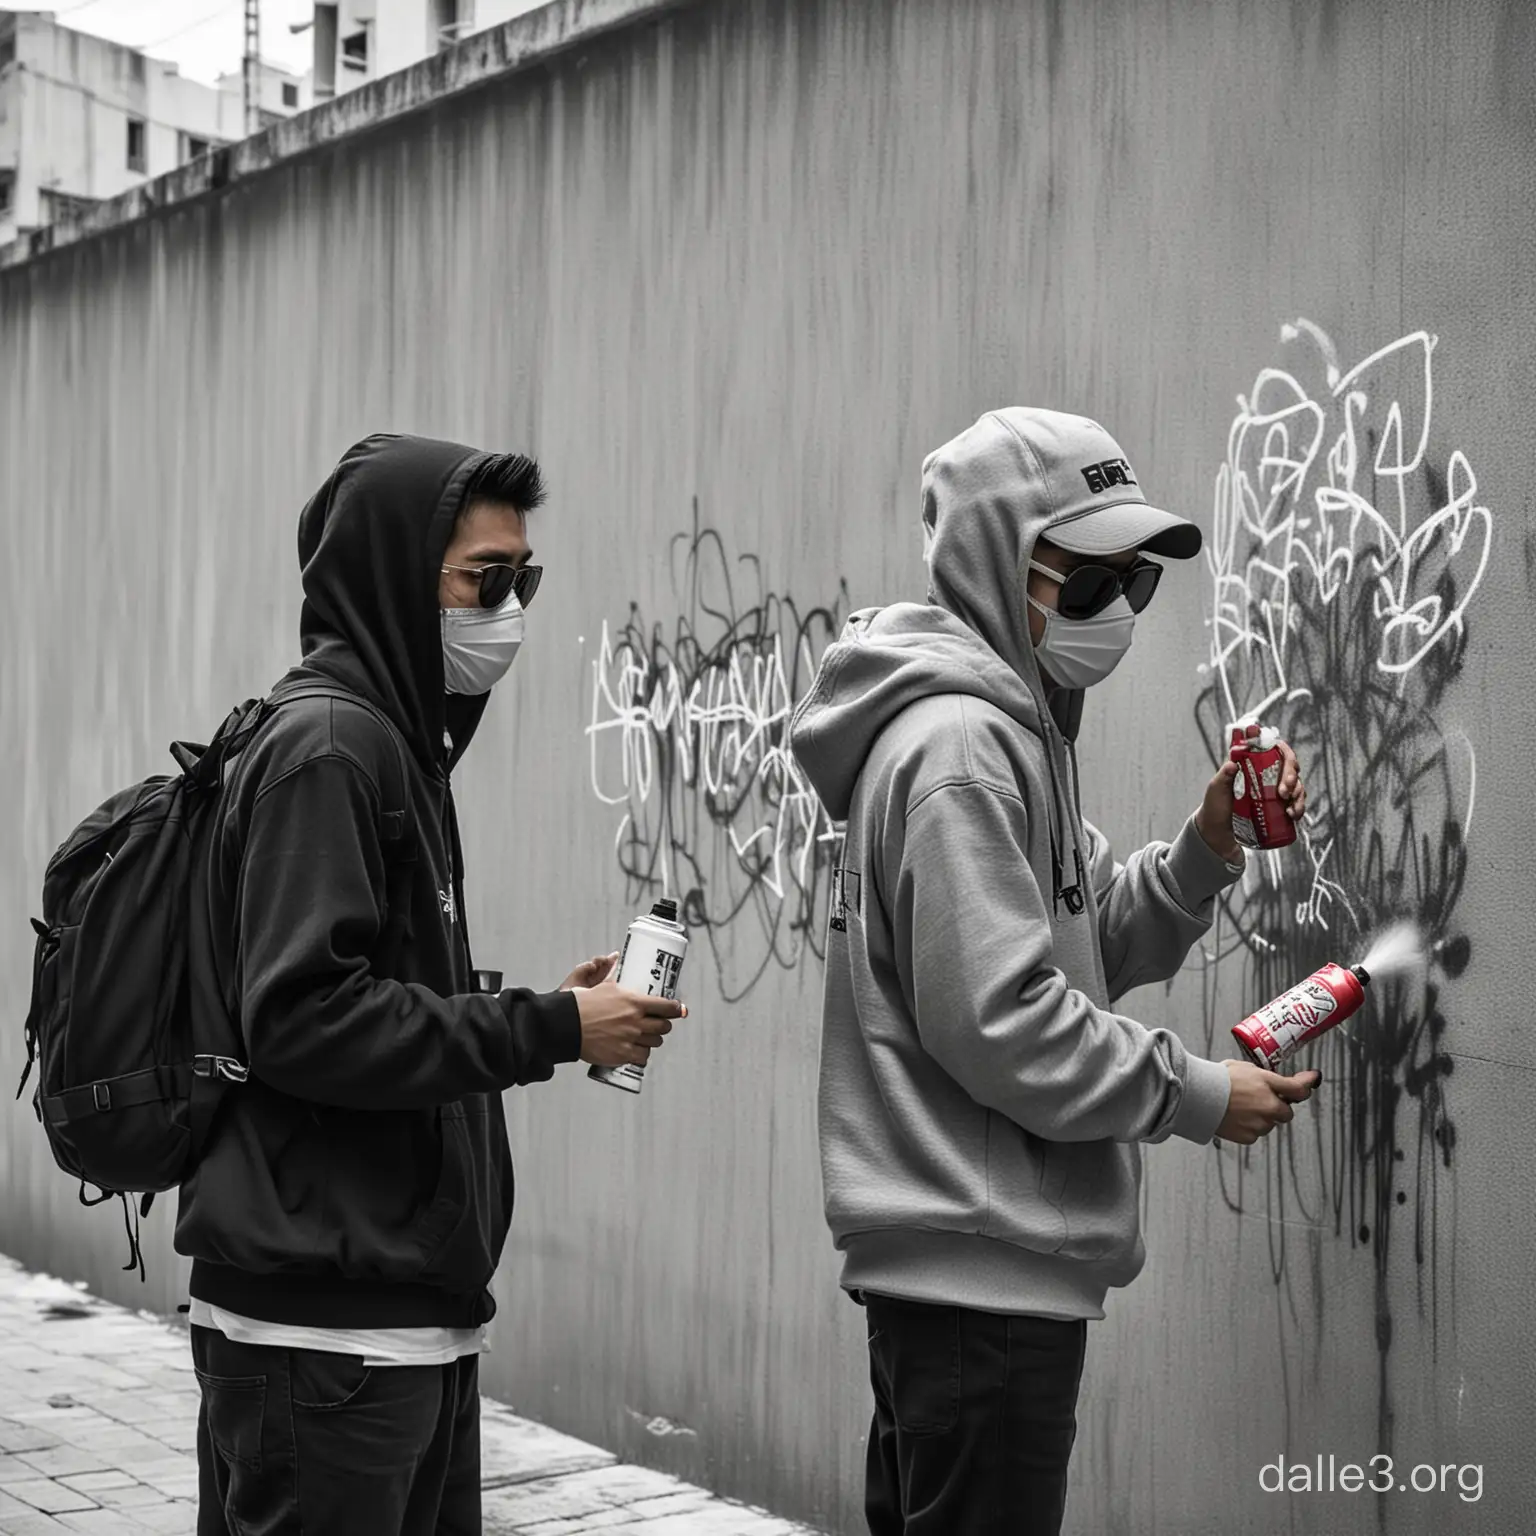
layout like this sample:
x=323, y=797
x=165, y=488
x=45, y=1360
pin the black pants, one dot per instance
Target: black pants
x=975, y=1415
x=299, y=1440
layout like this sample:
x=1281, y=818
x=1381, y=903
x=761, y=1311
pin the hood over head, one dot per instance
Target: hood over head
x=987, y=497
x=371, y=546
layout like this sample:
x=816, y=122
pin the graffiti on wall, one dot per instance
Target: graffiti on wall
x=1346, y=558
x=689, y=736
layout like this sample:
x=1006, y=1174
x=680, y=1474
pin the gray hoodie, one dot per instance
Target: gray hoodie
x=980, y=1105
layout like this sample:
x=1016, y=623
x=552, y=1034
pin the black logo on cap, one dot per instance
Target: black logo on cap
x=1111, y=472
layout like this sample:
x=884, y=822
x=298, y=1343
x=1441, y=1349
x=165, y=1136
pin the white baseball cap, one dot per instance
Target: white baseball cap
x=1097, y=507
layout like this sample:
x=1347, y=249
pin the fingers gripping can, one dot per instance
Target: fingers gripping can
x=651, y=962
x=1259, y=819
x=1311, y=1008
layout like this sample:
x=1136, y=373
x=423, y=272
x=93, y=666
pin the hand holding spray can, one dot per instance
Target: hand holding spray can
x=651, y=962
x=1295, y=1018
x=1259, y=818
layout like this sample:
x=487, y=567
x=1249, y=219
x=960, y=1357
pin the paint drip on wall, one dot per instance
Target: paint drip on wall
x=1344, y=566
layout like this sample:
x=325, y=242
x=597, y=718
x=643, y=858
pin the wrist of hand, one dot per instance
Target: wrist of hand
x=1223, y=844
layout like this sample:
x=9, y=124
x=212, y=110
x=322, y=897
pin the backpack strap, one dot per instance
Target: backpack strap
x=393, y=826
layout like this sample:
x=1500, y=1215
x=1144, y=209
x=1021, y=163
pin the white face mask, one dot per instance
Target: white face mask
x=1081, y=652
x=480, y=644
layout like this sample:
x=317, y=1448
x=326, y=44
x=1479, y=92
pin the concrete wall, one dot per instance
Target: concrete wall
x=731, y=273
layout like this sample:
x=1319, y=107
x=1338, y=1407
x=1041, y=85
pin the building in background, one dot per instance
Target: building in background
x=361, y=40
x=82, y=119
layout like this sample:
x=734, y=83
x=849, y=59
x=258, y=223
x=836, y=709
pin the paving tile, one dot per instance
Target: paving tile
x=171, y=1519
x=50, y=1497
x=30, y=1525
x=516, y=1448
x=124, y=1446
x=547, y=1499
x=168, y=1464
x=93, y=1482
x=600, y=1522
x=63, y=1460
x=179, y=1437
x=97, y=1522
x=18, y=1437
x=182, y=1486
x=134, y=1496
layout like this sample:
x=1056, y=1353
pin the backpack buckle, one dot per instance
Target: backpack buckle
x=220, y=1066
x=101, y=1096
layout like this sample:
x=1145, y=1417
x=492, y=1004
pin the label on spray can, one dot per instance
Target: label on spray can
x=651, y=962
x=1311, y=1008
x=1259, y=818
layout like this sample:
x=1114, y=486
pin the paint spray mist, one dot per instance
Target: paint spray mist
x=1326, y=998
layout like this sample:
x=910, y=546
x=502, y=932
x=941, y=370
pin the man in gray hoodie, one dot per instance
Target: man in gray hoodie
x=980, y=1104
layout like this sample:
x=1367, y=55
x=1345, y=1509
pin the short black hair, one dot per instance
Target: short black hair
x=510, y=477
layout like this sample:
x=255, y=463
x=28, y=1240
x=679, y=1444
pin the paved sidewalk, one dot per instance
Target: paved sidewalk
x=98, y=1425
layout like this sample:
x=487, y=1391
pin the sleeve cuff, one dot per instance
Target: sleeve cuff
x=1199, y=873
x=563, y=1026
x=1207, y=1088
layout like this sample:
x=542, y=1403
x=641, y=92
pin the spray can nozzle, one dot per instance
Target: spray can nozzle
x=665, y=908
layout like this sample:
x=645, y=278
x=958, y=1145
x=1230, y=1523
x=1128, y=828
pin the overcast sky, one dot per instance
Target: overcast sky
x=204, y=37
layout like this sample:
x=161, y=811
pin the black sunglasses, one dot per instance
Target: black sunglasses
x=498, y=581
x=1087, y=590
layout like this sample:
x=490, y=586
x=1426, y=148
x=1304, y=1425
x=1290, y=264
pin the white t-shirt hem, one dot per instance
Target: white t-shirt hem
x=377, y=1346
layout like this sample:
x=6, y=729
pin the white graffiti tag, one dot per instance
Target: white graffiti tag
x=1343, y=560
x=1318, y=492
x=689, y=732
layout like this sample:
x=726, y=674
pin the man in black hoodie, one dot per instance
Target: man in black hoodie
x=350, y=1206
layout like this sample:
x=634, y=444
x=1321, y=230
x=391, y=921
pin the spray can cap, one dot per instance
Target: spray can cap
x=1268, y=738
x=666, y=909
x=1361, y=975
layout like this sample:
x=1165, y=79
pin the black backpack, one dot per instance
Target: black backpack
x=128, y=1079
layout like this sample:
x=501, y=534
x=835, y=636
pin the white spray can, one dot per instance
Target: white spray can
x=651, y=962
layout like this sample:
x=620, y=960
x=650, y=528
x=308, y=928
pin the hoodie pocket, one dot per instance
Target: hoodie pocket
x=396, y=1185
x=1024, y=1188
x=463, y=1231
x=1099, y=1188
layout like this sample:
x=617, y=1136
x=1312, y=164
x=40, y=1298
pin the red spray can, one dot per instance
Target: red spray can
x=1259, y=818
x=1280, y=1029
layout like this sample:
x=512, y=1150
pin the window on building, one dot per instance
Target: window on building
x=137, y=137
x=193, y=148
x=450, y=20
x=325, y=52
x=8, y=48
x=7, y=192
x=290, y=94
x=354, y=51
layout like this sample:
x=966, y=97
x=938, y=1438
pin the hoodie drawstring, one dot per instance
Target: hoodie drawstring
x=1064, y=818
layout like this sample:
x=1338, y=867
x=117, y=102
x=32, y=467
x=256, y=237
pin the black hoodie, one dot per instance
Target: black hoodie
x=361, y=1176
